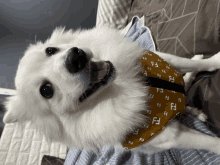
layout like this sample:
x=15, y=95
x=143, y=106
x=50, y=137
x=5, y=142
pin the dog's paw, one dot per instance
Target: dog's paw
x=197, y=57
x=190, y=76
x=214, y=62
x=203, y=117
x=197, y=113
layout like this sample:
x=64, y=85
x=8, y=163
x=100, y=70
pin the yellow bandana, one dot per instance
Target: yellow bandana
x=167, y=99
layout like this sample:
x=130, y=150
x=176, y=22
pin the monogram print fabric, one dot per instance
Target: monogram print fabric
x=164, y=105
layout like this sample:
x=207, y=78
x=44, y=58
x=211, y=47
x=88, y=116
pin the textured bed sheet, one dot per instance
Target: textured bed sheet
x=24, y=146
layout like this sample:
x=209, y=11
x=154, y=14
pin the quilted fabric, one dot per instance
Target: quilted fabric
x=24, y=146
x=183, y=28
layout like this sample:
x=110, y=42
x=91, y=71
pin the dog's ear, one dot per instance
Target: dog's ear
x=14, y=110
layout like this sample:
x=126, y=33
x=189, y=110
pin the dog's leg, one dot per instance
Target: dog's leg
x=197, y=113
x=190, y=76
x=183, y=65
x=177, y=135
x=196, y=140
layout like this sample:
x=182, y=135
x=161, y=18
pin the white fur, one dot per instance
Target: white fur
x=102, y=119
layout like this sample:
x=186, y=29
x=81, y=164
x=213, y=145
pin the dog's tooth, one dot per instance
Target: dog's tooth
x=99, y=71
x=102, y=73
x=101, y=65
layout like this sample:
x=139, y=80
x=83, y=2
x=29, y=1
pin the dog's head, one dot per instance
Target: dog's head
x=57, y=75
x=70, y=73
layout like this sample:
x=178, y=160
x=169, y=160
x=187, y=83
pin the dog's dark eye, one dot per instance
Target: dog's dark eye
x=46, y=90
x=51, y=50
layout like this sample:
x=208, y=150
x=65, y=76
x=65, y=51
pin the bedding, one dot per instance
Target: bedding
x=24, y=146
x=115, y=156
x=204, y=94
x=182, y=28
x=113, y=12
x=185, y=28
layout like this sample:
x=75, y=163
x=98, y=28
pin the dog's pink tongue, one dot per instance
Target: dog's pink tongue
x=98, y=71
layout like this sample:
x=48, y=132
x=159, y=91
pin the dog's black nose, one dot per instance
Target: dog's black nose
x=76, y=60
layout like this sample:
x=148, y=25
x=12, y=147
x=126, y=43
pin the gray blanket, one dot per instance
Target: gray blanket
x=114, y=156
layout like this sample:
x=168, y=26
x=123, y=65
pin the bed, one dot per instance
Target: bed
x=182, y=28
x=24, y=146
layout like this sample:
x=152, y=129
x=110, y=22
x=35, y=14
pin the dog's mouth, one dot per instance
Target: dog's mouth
x=101, y=73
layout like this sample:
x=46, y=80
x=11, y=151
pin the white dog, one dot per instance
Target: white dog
x=85, y=89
